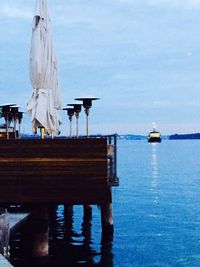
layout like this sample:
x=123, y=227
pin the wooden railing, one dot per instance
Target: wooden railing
x=112, y=159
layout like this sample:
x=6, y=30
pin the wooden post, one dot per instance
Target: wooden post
x=40, y=232
x=40, y=245
x=87, y=209
x=4, y=232
x=107, y=256
x=69, y=219
x=86, y=232
x=107, y=221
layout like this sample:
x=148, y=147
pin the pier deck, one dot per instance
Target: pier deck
x=71, y=171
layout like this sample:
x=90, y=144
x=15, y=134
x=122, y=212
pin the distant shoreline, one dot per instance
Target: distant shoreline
x=164, y=137
x=184, y=136
x=192, y=136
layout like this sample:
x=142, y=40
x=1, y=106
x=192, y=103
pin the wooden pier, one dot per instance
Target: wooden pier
x=69, y=171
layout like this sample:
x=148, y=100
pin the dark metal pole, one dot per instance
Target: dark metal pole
x=15, y=125
x=77, y=115
x=87, y=121
x=7, y=126
x=87, y=104
x=70, y=113
x=20, y=116
x=76, y=109
x=70, y=119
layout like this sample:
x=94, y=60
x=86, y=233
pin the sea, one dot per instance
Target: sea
x=156, y=213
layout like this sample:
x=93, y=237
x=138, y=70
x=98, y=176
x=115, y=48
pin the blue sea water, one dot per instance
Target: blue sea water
x=156, y=212
x=157, y=207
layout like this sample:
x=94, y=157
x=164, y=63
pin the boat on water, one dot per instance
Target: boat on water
x=154, y=136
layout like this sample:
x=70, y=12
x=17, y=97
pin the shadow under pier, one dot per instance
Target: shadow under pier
x=48, y=238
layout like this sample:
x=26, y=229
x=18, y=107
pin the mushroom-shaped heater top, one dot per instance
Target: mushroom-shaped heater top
x=70, y=112
x=87, y=101
x=5, y=108
x=76, y=107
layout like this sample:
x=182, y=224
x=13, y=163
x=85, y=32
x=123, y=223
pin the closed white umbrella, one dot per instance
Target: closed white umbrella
x=45, y=101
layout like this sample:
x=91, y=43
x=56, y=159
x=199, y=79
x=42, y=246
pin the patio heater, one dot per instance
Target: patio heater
x=87, y=104
x=77, y=110
x=6, y=112
x=70, y=113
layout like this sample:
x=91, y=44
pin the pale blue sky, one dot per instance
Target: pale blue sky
x=141, y=57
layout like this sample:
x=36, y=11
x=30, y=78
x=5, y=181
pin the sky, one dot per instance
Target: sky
x=140, y=57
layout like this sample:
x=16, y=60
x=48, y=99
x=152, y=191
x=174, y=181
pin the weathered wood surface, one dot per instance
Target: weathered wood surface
x=58, y=171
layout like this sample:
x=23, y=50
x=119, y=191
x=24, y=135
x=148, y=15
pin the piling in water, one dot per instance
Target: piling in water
x=107, y=221
x=4, y=232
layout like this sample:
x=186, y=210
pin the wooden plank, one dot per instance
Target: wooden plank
x=53, y=148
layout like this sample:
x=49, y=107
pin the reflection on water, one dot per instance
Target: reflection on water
x=67, y=246
x=76, y=249
x=29, y=244
x=154, y=166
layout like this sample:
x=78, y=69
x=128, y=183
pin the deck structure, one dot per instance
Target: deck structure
x=58, y=171
x=69, y=171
